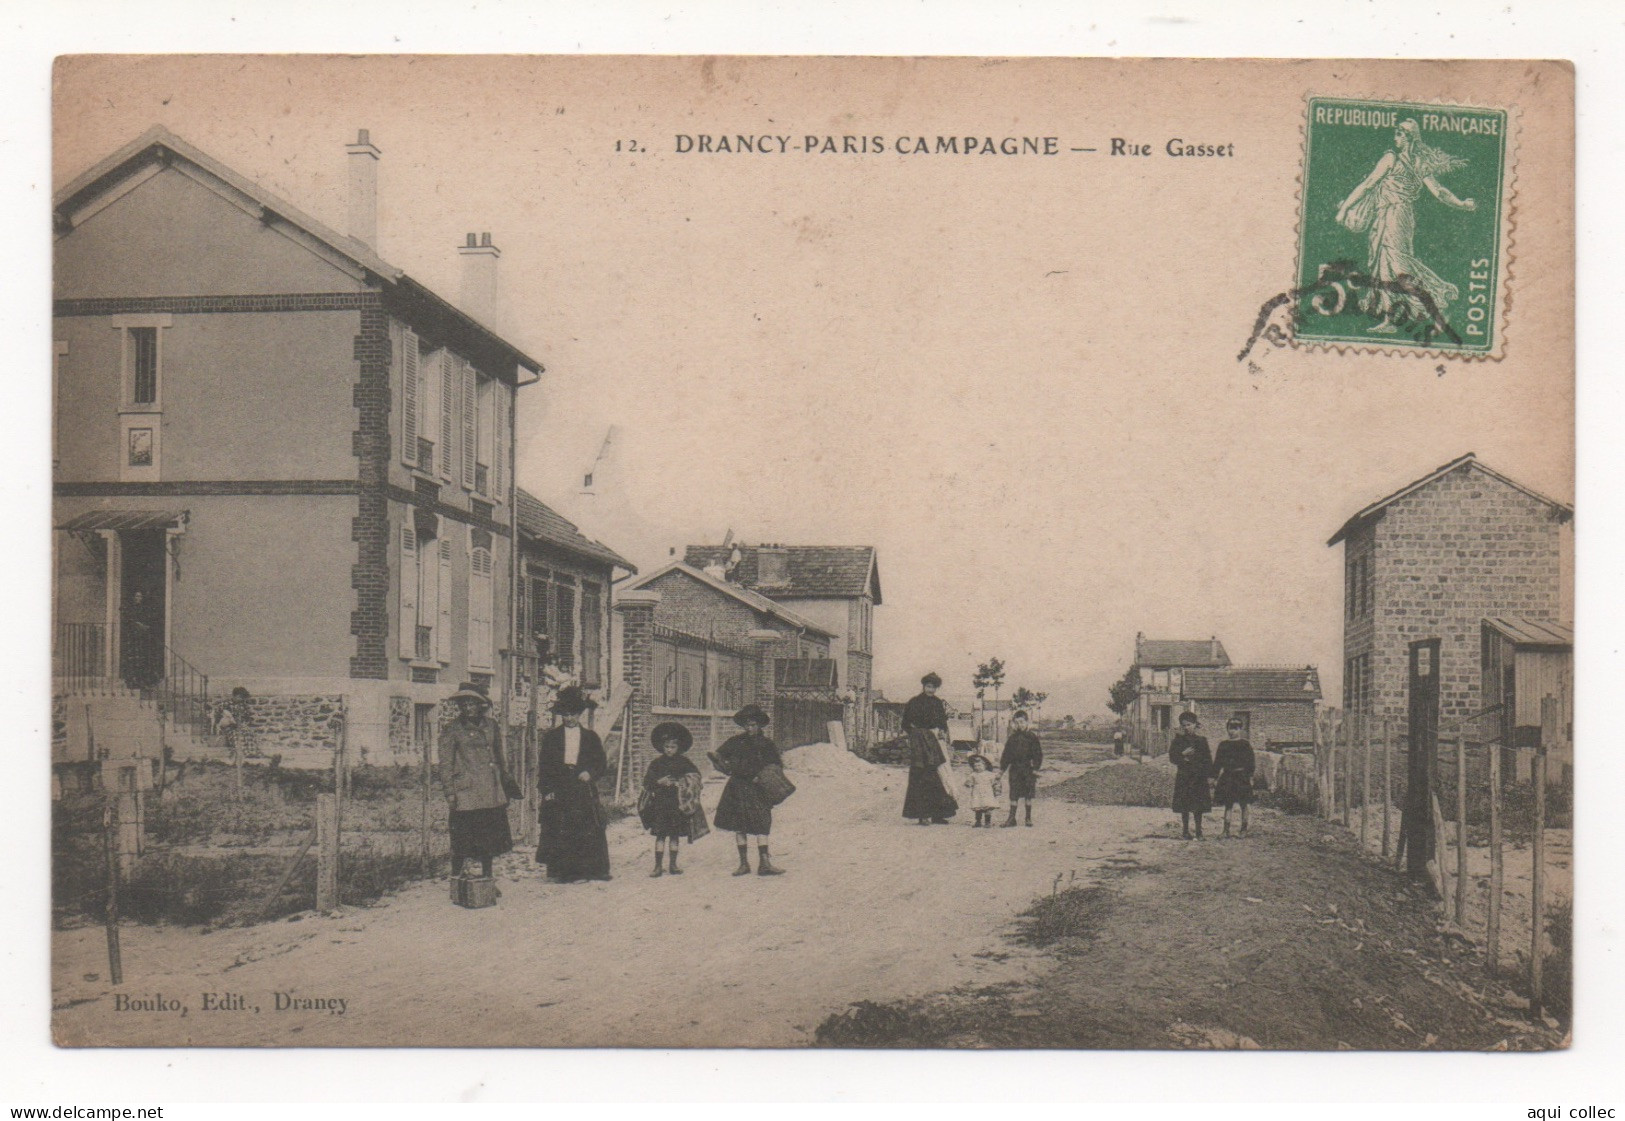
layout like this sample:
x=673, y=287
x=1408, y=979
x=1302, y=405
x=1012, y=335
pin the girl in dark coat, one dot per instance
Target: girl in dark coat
x=569, y=763
x=1190, y=754
x=661, y=807
x=925, y=722
x=743, y=809
x=1233, y=768
x=1022, y=758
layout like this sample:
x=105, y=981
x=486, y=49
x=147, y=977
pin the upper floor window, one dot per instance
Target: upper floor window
x=142, y=360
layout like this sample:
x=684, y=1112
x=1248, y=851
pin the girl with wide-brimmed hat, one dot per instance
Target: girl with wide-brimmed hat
x=669, y=806
x=570, y=761
x=744, y=809
x=475, y=777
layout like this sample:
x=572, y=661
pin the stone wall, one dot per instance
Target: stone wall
x=303, y=730
x=400, y=727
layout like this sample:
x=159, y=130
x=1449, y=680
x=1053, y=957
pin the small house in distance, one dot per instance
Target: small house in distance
x=1275, y=704
x=1159, y=666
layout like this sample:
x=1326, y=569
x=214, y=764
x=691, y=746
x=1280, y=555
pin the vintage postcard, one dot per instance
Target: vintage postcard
x=812, y=552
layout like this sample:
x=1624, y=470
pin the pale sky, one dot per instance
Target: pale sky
x=1015, y=376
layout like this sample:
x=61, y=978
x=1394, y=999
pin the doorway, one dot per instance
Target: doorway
x=142, y=607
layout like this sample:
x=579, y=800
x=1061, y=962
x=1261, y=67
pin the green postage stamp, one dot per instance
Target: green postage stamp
x=1402, y=238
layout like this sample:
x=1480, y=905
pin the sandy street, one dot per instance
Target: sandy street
x=872, y=908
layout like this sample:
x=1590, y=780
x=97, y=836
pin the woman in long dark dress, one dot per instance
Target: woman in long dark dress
x=1190, y=754
x=744, y=809
x=669, y=776
x=1233, y=767
x=925, y=722
x=475, y=778
x=569, y=763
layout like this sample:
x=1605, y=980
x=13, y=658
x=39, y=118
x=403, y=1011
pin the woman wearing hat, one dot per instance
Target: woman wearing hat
x=475, y=778
x=743, y=809
x=669, y=806
x=1189, y=753
x=925, y=722
x=569, y=763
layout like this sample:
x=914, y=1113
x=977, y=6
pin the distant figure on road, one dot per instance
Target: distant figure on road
x=925, y=722
x=744, y=809
x=1023, y=757
x=1233, y=768
x=1190, y=754
x=569, y=762
x=1117, y=742
x=669, y=805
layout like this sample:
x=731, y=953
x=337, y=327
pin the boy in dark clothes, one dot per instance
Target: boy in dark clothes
x=1233, y=768
x=1019, y=765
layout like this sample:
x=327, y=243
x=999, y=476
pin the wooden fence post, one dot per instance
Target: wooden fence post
x=1492, y=948
x=115, y=956
x=1436, y=865
x=1387, y=781
x=1461, y=825
x=425, y=767
x=1549, y=718
x=1346, y=735
x=327, y=852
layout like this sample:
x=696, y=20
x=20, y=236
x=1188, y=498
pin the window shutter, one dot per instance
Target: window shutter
x=408, y=576
x=471, y=431
x=429, y=587
x=442, y=633
x=410, y=398
x=479, y=609
x=498, y=431
x=448, y=413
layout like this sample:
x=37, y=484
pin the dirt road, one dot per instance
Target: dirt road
x=871, y=908
x=1285, y=939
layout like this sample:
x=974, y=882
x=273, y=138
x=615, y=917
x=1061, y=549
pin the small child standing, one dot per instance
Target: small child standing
x=668, y=805
x=983, y=785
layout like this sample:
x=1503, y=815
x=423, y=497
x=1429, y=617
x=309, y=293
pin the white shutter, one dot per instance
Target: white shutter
x=471, y=433
x=429, y=590
x=499, y=431
x=479, y=610
x=408, y=576
x=442, y=633
x=448, y=412
x=411, y=398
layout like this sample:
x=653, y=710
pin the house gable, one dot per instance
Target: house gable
x=174, y=233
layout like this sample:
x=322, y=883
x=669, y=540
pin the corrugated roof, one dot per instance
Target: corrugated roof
x=541, y=522
x=124, y=520
x=814, y=571
x=157, y=141
x=1532, y=632
x=753, y=600
x=1253, y=683
x=1180, y=652
x=1563, y=509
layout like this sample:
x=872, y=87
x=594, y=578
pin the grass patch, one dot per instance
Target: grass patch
x=1073, y=914
x=1119, y=784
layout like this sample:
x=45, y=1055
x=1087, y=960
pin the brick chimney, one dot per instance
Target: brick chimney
x=479, y=291
x=363, y=160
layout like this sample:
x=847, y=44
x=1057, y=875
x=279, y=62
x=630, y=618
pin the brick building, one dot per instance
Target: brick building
x=836, y=586
x=696, y=648
x=281, y=462
x=1275, y=704
x=1434, y=559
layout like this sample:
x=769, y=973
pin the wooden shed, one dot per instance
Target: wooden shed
x=1524, y=661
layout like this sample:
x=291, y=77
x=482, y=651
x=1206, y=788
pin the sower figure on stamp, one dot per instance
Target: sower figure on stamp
x=1189, y=753
x=569, y=763
x=1383, y=207
x=669, y=804
x=1233, y=767
x=744, y=809
x=1023, y=757
x=925, y=722
x=475, y=777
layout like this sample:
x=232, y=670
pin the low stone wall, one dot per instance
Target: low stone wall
x=303, y=730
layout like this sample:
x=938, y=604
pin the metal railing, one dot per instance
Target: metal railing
x=182, y=695
x=79, y=658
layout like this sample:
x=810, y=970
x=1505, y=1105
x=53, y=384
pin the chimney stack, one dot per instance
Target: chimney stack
x=363, y=160
x=479, y=292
